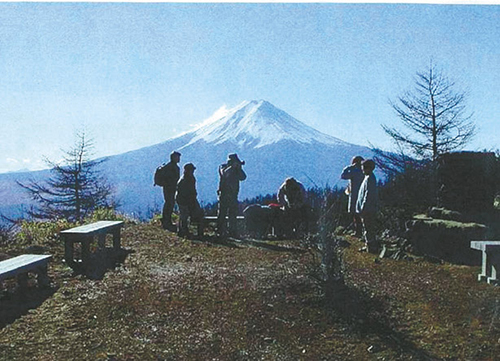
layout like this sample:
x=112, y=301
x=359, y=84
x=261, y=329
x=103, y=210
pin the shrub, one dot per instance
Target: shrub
x=6, y=233
x=415, y=189
x=41, y=232
x=393, y=219
x=105, y=214
x=156, y=219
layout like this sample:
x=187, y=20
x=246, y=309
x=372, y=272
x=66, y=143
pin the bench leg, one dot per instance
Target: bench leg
x=116, y=240
x=201, y=229
x=22, y=280
x=101, y=241
x=86, y=252
x=494, y=260
x=69, y=252
x=485, y=268
x=43, y=278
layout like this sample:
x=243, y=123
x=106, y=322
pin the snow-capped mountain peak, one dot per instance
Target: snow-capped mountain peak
x=258, y=123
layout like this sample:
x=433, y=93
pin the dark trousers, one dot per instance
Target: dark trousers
x=168, y=207
x=228, y=205
x=191, y=210
x=357, y=224
x=297, y=220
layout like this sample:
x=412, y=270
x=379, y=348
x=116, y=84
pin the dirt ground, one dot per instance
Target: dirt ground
x=177, y=299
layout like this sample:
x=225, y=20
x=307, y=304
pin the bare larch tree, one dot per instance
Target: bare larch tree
x=434, y=114
x=75, y=188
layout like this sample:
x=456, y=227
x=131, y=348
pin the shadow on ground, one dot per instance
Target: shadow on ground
x=216, y=241
x=238, y=243
x=16, y=303
x=367, y=316
x=102, y=261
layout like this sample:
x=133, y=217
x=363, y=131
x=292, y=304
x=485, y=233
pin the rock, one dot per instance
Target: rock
x=445, y=239
x=442, y=213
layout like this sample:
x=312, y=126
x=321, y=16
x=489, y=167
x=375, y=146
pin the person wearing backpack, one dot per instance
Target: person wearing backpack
x=167, y=176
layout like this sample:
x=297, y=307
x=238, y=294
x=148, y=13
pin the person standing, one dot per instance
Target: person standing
x=187, y=202
x=231, y=174
x=367, y=205
x=167, y=177
x=355, y=176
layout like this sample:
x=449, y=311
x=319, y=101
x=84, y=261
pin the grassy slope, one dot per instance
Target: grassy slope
x=176, y=299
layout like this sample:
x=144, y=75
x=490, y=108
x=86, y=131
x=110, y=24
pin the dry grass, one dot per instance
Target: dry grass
x=175, y=299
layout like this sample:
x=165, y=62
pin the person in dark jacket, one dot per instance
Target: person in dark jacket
x=355, y=175
x=231, y=174
x=187, y=202
x=367, y=205
x=172, y=173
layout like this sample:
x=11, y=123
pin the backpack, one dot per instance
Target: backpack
x=161, y=175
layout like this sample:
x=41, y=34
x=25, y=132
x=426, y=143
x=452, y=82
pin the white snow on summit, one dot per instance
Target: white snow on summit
x=256, y=124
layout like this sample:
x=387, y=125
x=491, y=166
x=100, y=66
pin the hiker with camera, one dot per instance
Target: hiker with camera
x=231, y=174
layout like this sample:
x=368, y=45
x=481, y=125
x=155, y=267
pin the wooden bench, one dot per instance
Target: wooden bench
x=85, y=235
x=214, y=218
x=20, y=266
x=490, y=269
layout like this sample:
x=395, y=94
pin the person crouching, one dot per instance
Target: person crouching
x=187, y=202
x=292, y=196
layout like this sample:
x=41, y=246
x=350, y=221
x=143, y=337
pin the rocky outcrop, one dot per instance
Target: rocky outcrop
x=448, y=239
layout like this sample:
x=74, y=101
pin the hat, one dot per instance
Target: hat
x=234, y=158
x=188, y=166
x=174, y=153
x=357, y=159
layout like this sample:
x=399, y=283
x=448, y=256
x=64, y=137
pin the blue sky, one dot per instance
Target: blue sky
x=136, y=74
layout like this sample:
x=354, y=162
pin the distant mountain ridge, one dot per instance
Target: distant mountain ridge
x=274, y=145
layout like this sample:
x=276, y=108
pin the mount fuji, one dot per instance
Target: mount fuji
x=273, y=144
